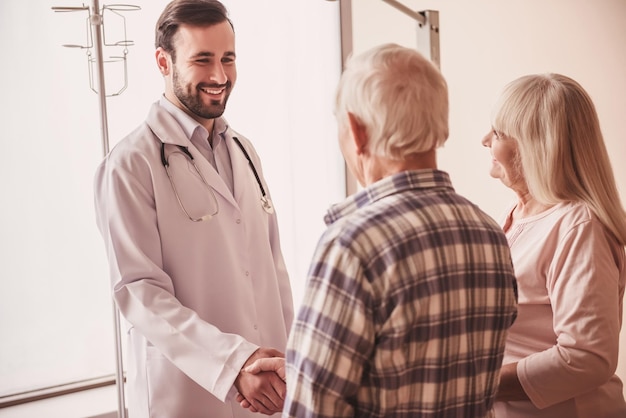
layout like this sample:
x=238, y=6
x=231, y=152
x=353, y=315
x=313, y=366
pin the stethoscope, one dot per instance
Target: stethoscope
x=266, y=203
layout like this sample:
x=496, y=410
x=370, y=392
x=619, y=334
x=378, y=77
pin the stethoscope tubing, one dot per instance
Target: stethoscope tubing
x=256, y=174
x=266, y=204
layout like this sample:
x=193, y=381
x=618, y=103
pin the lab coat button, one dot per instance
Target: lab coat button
x=247, y=273
x=255, y=326
x=238, y=221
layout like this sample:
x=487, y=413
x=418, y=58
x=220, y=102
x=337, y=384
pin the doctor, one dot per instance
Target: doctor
x=191, y=236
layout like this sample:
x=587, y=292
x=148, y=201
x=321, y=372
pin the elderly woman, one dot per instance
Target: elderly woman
x=567, y=233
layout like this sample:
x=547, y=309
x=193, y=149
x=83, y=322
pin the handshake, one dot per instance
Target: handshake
x=261, y=382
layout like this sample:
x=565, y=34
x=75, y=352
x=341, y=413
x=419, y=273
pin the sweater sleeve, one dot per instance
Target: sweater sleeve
x=584, y=291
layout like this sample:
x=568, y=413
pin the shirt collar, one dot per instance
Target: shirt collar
x=397, y=183
x=189, y=125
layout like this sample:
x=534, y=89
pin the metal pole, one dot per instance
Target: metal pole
x=404, y=9
x=345, y=26
x=428, y=37
x=96, y=22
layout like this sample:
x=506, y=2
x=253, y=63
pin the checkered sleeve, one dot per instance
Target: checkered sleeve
x=332, y=337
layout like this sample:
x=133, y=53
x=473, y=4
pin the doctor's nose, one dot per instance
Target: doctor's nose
x=217, y=74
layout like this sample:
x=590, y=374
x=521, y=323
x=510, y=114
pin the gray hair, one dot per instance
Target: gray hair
x=399, y=96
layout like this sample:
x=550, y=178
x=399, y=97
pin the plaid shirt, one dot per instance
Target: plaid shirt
x=408, y=300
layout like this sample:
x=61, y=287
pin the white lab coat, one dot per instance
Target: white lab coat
x=199, y=297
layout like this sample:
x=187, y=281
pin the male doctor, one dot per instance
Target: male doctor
x=191, y=236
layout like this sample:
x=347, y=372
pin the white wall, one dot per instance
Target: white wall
x=487, y=43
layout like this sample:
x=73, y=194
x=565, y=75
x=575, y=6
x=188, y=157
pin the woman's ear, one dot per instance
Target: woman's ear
x=358, y=133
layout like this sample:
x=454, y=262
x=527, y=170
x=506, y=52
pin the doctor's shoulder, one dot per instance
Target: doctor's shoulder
x=138, y=149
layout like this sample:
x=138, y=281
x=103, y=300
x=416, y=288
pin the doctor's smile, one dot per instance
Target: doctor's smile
x=215, y=91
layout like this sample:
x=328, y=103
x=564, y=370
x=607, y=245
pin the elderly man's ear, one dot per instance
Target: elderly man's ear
x=358, y=133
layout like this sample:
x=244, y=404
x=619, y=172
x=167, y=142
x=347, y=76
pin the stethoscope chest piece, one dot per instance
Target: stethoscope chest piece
x=267, y=206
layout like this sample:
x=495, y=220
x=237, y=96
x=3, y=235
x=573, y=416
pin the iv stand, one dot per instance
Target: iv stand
x=96, y=21
x=96, y=29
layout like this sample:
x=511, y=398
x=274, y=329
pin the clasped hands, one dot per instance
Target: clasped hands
x=261, y=382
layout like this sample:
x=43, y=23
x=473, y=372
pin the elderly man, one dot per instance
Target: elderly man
x=411, y=289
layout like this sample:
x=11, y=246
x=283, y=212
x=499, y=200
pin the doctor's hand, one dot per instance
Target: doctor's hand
x=263, y=391
x=268, y=364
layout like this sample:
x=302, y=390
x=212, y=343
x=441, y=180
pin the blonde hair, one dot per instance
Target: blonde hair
x=399, y=96
x=561, y=148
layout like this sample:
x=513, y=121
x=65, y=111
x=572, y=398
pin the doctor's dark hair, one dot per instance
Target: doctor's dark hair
x=187, y=12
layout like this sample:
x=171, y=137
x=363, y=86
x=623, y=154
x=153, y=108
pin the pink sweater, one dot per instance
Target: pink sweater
x=571, y=275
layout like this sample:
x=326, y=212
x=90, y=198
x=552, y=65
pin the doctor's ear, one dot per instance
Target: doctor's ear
x=163, y=60
x=359, y=133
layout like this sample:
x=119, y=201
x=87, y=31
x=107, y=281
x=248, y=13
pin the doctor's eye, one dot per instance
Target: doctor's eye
x=228, y=59
x=203, y=60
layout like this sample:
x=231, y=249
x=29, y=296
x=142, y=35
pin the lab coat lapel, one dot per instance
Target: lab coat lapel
x=168, y=131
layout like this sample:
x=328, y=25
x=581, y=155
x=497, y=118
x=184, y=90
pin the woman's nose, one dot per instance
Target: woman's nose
x=486, y=141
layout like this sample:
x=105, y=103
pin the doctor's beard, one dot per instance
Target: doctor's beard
x=190, y=97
